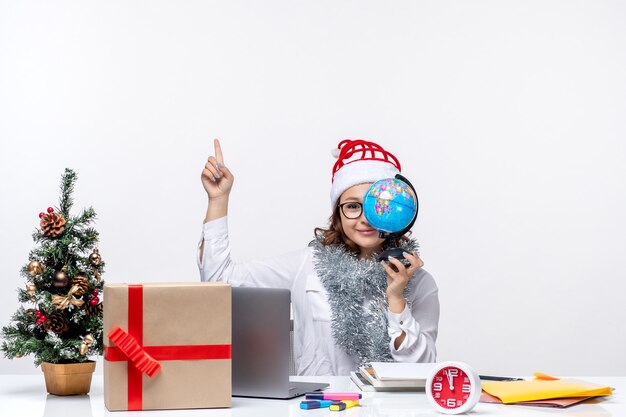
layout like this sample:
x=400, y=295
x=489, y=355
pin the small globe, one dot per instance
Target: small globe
x=389, y=205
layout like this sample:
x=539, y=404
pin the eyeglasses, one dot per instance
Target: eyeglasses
x=351, y=209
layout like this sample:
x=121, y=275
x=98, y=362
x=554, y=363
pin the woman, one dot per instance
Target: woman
x=348, y=309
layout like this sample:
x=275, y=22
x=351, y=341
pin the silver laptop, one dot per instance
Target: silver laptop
x=261, y=353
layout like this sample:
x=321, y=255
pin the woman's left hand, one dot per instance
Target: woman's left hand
x=399, y=278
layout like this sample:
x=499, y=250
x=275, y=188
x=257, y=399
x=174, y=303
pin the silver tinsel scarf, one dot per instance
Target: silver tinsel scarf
x=358, y=301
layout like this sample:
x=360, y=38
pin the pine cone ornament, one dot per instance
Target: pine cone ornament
x=57, y=323
x=52, y=224
x=82, y=283
x=93, y=310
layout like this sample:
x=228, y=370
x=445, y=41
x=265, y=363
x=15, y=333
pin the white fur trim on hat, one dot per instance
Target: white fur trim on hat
x=359, y=172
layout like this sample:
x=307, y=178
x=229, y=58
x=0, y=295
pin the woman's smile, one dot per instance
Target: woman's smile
x=367, y=232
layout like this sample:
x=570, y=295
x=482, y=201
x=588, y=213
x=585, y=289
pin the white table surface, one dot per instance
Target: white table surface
x=25, y=395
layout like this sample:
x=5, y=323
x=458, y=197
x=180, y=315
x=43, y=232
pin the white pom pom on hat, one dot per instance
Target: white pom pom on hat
x=359, y=162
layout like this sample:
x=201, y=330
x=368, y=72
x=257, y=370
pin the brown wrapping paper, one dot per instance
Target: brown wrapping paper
x=177, y=314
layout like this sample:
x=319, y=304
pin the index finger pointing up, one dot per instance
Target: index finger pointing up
x=218, y=151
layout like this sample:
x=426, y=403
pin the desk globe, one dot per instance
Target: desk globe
x=390, y=205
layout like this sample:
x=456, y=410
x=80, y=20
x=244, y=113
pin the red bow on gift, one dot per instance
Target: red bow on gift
x=134, y=351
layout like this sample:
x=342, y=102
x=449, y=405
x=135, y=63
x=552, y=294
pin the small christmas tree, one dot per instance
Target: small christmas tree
x=63, y=281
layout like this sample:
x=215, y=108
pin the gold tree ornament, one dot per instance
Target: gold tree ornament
x=31, y=289
x=35, y=268
x=61, y=302
x=52, y=225
x=60, y=280
x=82, y=283
x=84, y=347
x=95, y=257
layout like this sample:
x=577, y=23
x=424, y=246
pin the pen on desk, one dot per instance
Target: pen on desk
x=499, y=378
x=343, y=405
x=312, y=404
x=338, y=396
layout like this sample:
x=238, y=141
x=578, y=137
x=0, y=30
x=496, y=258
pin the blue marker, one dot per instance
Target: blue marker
x=311, y=404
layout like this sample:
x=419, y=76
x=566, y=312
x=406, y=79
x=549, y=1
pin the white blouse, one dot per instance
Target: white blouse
x=315, y=352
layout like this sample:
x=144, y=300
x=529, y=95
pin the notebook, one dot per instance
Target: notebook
x=397, y=371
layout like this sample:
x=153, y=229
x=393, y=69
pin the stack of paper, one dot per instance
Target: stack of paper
x=544, y=390
x=392, y=376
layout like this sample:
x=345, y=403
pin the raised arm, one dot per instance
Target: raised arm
x=217, y=181
x=213, y=257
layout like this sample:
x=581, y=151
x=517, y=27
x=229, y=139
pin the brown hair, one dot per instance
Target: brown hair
x=334, y=234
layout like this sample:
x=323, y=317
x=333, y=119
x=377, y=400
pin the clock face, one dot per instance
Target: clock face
x=451, y=387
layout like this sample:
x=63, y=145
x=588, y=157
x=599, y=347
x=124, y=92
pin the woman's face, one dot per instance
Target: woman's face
x=358, y=230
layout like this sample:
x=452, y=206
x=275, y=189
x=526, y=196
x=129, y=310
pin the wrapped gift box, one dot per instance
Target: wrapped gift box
x=167, y=346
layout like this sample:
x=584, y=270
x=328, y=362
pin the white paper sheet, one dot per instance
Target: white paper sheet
x=402, y=371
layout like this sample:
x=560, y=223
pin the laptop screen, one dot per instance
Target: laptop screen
x=261, y=334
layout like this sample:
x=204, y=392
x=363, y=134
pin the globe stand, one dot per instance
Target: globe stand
x=393, y=250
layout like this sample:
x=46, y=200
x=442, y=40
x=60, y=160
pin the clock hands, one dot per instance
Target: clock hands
x=450, y=379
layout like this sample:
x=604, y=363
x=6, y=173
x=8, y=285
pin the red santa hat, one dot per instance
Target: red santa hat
x=359, y=162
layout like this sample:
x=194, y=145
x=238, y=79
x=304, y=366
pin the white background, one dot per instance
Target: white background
x=508, y=116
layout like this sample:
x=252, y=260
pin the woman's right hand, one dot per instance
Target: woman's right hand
x=216, y=178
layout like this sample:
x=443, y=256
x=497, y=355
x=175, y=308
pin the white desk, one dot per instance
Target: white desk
x=25, y=395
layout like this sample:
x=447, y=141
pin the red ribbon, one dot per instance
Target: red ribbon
x=143, y=359
x=134, y=351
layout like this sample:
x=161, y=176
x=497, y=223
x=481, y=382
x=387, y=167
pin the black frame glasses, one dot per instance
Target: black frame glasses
x=351, y=217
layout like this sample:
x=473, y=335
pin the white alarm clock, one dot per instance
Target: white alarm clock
x=453, y=388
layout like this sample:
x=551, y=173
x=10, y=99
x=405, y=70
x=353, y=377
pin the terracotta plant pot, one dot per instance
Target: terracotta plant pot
x=68, y=378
